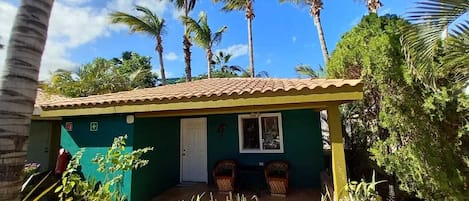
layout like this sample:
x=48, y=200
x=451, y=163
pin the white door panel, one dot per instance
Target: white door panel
x=194, y=150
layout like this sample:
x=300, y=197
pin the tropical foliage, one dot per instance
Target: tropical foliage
x=415, y=130
x=104, y=76
x=149, y=24
x=247, y=6
x=308, y=71
x=113, y=165
x=18, y=88
x=204, y=37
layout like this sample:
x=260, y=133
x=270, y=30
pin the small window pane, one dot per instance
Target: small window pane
x=251, y=133
x=270, y=133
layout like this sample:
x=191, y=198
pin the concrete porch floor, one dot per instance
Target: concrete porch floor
x=185, y=192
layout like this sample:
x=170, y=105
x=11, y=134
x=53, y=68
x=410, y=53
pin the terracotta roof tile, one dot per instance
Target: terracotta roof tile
x=202, y=88
x=45, y=98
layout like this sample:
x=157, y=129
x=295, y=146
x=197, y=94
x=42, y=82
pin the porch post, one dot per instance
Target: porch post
x=339, y=172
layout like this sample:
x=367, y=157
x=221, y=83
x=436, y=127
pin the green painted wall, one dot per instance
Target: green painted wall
x=302, y=146
x=109, y=127
x=162, y=172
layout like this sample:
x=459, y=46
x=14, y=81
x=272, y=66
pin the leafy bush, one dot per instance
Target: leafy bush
x=114, y=164
x=357, y=191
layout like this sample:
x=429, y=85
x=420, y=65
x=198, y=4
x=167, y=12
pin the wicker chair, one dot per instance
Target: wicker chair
x=276, y=175
x=224, y=175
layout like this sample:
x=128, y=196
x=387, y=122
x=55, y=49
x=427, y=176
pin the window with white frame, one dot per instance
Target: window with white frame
x=260, y=133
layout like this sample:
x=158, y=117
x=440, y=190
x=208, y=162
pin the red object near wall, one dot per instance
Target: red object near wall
x=62, y=161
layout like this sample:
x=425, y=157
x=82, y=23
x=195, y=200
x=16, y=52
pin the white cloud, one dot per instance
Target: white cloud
x=235, y=50
x=157, y=6
x=171, y=56
x=293, y=39
x=177, y=13
x=73, y=24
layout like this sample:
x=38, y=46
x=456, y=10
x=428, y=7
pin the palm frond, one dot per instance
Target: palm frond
x=305, y=70
x=262, y=74
x=149, y=23
x=202, y=33
x=180, y=4
x=217, y=36
x=457, y=57
x=230, y=5
x=422, y=40
x=201, y=36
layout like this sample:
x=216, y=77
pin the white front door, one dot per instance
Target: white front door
x=194, y=150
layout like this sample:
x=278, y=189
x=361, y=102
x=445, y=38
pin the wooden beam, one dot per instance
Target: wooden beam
x=339, y=171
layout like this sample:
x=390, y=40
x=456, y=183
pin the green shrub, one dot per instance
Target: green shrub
x=114, y=164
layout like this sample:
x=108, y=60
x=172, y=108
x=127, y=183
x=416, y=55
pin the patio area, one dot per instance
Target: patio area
x=186, y=191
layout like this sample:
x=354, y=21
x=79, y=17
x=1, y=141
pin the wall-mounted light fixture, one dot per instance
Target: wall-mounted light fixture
x=221, y=129
x=130, y=119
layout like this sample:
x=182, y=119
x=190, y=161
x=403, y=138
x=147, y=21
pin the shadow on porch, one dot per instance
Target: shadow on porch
x=185, y=192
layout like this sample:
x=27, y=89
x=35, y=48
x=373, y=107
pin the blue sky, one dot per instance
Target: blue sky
x=284, y=34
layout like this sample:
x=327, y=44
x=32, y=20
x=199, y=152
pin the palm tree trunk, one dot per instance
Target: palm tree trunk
x=250, y=16
x=322, y=40
x=209, y=62
x=251, y=51
x=187, y=57
x=187, y=45
x=18, y=87
x=159, y=49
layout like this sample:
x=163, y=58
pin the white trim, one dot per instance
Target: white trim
x=259, y=116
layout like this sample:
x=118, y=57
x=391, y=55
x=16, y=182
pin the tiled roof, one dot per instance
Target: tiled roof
x=45, y=98
x=207, y=88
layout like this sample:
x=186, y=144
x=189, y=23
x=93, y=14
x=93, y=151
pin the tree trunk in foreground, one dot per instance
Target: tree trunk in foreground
x=18, y=87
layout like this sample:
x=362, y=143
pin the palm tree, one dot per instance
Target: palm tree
x=187, y=6
x=431, y=20
x=149, y=24
x=247, y=6
x=221, y=59
x=372, y=5
x=315, y=11
x=18, y=87
x=204, y=37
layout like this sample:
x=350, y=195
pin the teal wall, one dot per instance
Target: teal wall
x=109, y=127
x=301, y=133
x=162, y=172
x=302, y=145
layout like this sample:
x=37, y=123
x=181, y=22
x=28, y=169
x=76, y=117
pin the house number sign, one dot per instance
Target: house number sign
x=93, y=126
